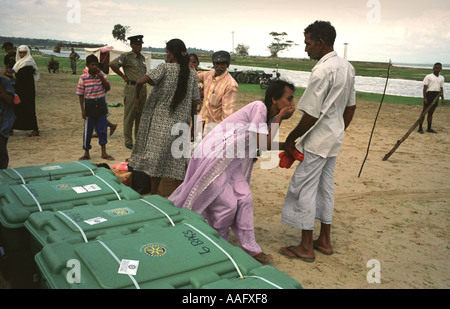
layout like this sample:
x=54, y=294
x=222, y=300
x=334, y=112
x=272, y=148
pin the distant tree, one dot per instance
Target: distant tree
x=279, y=43
x=120, y=32
x=242, y=50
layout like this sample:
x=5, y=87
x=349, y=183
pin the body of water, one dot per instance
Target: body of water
x=63, y=53
x=399, y=87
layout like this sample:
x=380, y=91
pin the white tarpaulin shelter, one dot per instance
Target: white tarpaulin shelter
x=109, y=52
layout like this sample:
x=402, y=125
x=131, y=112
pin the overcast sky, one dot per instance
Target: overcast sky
x=405, y=31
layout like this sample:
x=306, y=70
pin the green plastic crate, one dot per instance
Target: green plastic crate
x=18, y=202
x=264, y=277
x=86, y=223
x=188, y=255
x=50, y=172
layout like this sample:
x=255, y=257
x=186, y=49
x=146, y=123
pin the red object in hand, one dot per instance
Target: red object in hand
x=286, y=162
x=16, y=99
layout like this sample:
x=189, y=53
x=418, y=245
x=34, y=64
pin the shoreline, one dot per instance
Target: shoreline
x=367, y=84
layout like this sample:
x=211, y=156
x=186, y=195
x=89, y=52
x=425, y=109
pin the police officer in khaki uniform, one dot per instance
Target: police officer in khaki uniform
x=134, y=67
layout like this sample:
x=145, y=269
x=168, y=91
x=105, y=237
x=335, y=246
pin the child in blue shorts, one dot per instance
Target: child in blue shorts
x=91, y=91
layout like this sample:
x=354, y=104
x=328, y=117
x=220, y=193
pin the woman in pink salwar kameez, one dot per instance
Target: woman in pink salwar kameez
x=217, y=179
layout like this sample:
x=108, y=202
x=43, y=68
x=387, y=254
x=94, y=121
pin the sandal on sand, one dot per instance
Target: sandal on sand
x=263, y=258
x=296, y=256
x=34, y=133
x=322, y=250
x=84, y=158
x=108, y=157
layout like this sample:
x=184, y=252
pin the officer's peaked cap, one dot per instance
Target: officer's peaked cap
x=136, y=39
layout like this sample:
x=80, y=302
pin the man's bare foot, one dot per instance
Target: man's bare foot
x=327, y=250
x=296, y=252
x=108, y=157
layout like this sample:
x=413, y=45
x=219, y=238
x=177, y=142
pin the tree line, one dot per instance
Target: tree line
x=50, y=43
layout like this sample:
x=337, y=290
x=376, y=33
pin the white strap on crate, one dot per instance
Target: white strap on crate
x=232, y=260
x=220, y=248
x=23, y=180
x=76, y=225
x=265, y=280
x=117, y=194
x=136, y=284
x=34, y=198
x=78, y=162
x=160, y=210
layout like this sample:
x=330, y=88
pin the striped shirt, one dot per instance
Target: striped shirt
x=91, y=88
x=220, y=95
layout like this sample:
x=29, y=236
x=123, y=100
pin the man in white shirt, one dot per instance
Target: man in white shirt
x=328, y=105
x=433, y=86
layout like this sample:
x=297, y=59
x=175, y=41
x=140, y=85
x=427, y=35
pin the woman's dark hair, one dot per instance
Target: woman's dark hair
x=275, y=91
x=322, y=30
x=178, y=49
x=195, y=56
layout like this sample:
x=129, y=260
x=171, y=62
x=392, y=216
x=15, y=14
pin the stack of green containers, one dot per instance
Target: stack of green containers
x=166, y=246
x=87, y=223
x=19, y=201
x=92, y=232
x=189, y=255
x=26, y=174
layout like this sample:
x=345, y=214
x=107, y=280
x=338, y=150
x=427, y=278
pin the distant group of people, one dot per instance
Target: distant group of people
x=53, y=65
x=216, y=184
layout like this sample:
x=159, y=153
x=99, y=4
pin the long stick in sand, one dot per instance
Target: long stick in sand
x=435, y=101
x=379, y=108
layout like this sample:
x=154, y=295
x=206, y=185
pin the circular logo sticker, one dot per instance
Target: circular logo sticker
x=154, y=250
x=119, y=212
x=63, y=187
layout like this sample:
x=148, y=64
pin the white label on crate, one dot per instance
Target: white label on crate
x=94, y=221
x=128, y=267
x=86, y=188
x=51, y=168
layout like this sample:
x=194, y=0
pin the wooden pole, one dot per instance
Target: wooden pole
x=435, y=101
x=376, y=117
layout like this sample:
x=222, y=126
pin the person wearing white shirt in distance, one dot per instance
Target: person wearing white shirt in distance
x=433, y=86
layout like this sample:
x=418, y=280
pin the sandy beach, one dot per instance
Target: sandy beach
x=397, y=212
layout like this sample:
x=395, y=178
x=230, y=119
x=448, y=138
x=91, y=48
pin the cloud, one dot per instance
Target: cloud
x=406, y=29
